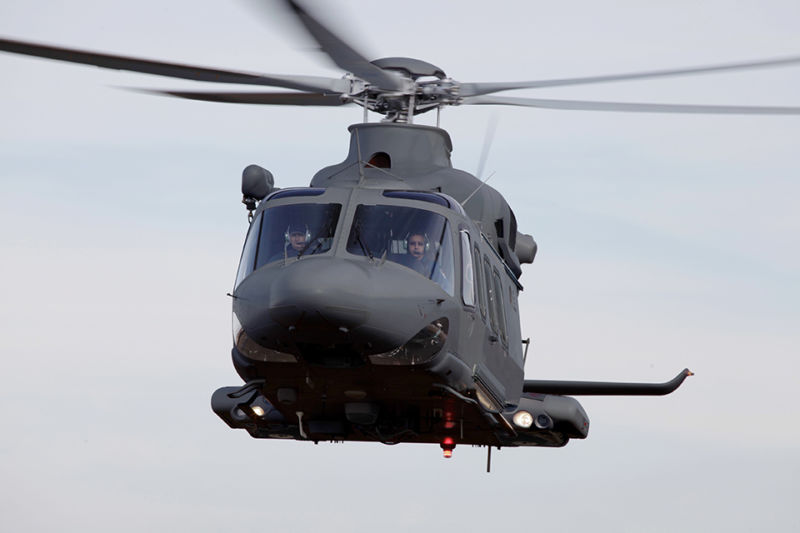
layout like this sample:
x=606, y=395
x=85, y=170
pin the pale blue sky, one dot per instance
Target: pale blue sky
x=665, y=242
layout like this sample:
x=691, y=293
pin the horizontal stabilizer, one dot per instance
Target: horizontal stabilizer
x=604, y=388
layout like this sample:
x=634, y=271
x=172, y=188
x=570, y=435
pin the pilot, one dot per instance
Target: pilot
x=418, y=258
x=297, y=237
x=296, y=240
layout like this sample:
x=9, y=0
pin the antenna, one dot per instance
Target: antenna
x=360, y=160
x=477, y=189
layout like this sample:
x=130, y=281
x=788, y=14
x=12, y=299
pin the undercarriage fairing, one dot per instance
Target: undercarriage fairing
x=390, y=404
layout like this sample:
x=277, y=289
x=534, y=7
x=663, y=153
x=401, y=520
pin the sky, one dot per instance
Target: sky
x=664, y=242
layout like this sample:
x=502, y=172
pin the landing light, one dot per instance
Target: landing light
x=523, y=419
x=420, y=349
x=543, y=421
x=258, y=410
x=484, y=399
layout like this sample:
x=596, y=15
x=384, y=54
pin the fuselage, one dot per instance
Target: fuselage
x=353, y=318
x=373, y=306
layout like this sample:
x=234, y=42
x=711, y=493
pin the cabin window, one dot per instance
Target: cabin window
x=491, y=297
x=296, y=230
x=498, y=301
x=479, y=282
x=411, y=237
x=248, y=259
x=467, y=275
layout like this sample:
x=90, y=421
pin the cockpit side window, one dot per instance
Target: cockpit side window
x=296, y=230
x=442, y=271
x=415, y=238
x=248, y=259
x=467, y=271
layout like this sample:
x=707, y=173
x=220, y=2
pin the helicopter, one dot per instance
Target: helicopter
x=343, y=340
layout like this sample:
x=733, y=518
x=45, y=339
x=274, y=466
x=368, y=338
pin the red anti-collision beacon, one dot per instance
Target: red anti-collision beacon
x=448, y=445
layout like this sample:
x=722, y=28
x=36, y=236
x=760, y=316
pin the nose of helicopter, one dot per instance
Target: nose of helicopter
x=319, y=294
x=319, y=303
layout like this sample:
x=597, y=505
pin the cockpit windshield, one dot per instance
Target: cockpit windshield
x=415, y=238
x=296, y=230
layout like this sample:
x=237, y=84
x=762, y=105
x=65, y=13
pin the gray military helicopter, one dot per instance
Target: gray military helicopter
x=380, y=303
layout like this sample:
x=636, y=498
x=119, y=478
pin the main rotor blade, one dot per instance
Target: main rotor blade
x=173, y=70
x=268, y=98
x=487, y=145
x=474, y=89
x=584, y=105
x=343, y=54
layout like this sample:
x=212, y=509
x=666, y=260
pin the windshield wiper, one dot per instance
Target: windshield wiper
x=364, y=249
x=438, y=252
x=320, y=241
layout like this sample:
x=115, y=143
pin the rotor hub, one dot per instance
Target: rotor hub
x=413, y=68
x=424, y=87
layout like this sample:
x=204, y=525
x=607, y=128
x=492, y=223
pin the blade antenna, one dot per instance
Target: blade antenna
x=384, y=171
x=360, y=159
x=477, y=189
